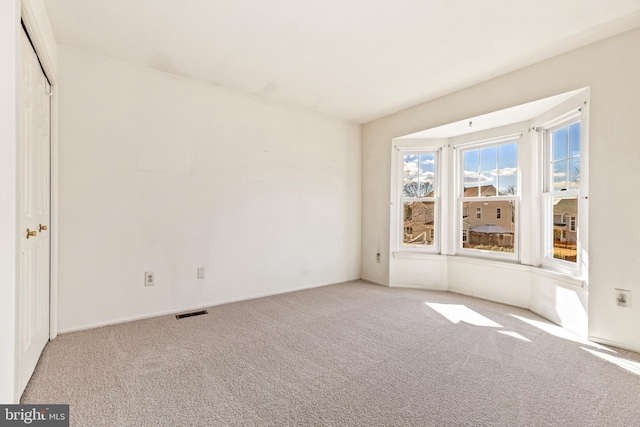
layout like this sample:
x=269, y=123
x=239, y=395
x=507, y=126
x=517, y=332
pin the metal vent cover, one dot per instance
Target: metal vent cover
x=193, y=313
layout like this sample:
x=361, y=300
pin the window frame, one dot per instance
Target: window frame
x=548, y=194
x=436, y=199
x=460, y=199
x=452, y=137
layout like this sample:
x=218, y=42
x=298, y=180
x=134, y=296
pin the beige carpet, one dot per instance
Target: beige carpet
x=352, y=354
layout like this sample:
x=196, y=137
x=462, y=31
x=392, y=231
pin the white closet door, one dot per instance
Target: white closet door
x=35, y=193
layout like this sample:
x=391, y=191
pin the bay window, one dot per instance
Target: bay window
x=516, y=192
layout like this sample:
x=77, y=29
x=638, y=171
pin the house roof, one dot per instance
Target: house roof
x=490, y=229
x=485, y=190
x=566, y=206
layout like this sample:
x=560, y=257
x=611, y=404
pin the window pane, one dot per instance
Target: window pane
x=488, y=169
x=559, y=139
x=560, y=175
x=471, y=175
x=410, y=177
x=507, y=156
x=488, y=157
x=418, y=223
x=491, y=232
x=507, y=169
x=574, y=173
x=574, y=140
x=565, y=229
x=427, y=175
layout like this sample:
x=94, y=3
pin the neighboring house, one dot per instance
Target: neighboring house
x=565, y=221
x=419, y=223
x=489, y=222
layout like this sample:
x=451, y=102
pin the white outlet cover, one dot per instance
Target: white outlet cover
x=622, y=298
x=149, y=278
x=201, y=273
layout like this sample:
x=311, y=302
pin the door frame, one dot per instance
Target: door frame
x=32, y=19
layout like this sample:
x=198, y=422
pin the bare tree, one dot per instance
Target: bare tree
x=509, y=190
x=417, y=189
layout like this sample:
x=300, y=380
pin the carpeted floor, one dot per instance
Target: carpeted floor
x=351, y=354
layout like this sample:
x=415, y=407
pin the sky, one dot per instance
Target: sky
x=566, y=157
x=419, y=168
x=497, y=165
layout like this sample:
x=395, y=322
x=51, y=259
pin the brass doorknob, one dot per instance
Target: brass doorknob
x=31, y=233
x=42, y=227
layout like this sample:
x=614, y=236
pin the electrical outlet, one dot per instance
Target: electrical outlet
x=200, y=272
x=623, y=298
x=149, y=278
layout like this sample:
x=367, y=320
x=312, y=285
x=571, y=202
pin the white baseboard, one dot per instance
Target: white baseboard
x=375, y=282
x=613, y=343
x=195, y=307
x=560, y=323
x=423, y=288
x=482, y=297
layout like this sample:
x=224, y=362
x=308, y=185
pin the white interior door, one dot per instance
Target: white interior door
x=35, y=194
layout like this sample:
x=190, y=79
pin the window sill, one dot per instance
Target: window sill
x=487, y=256
x=563, y=279
x=419, y=255
x=512, y=264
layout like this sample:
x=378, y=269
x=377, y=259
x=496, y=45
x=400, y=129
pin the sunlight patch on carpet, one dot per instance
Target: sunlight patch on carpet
x=560, y=332
x=457, y=313
x=514, y=335
x=627, y=365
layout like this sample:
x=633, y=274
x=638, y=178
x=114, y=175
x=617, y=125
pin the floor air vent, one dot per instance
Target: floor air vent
x=194, y=313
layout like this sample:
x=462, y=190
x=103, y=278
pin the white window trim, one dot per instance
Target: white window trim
x=436, y=199
x=569, y=268
x=459, y=199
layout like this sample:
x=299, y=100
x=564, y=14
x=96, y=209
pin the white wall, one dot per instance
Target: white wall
x=562, y=300
x=9, y=38
x=610, y=69
x=495, y=281
x=160, y=173
x=412, y=270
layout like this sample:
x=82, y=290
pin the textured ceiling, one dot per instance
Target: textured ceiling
x=355, y=59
